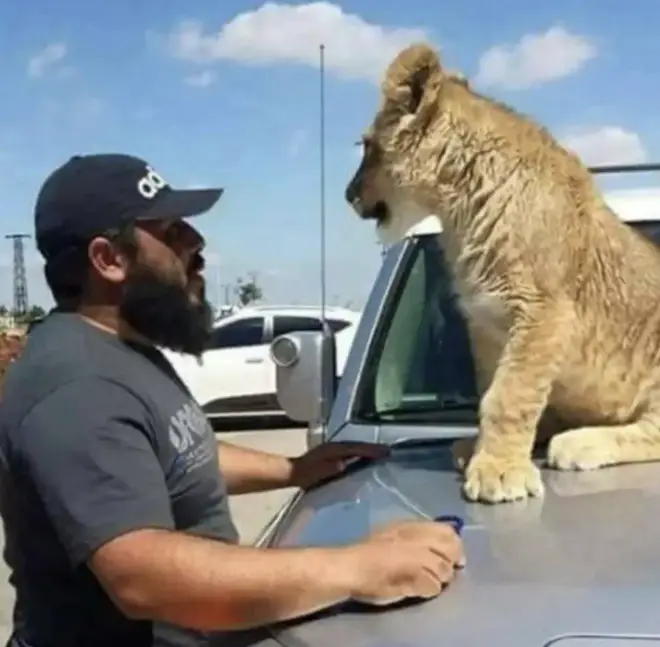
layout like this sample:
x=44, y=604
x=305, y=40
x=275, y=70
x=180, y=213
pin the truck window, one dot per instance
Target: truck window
x=648, y=228
x=421, y=366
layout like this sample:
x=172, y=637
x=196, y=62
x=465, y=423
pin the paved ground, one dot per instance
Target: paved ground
x=251, y=511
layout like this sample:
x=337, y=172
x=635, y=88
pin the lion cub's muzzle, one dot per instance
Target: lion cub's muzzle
x=378, y=211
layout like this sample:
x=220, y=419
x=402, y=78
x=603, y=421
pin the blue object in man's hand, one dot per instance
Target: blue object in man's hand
x=453, y=520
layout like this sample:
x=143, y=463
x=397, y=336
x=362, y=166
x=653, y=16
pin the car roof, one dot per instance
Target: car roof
x=334, y=312
x=635, y=205
x=631, y=205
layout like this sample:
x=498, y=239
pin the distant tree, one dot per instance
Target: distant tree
x=4, y=311
x=248, y=290
x=34, y=313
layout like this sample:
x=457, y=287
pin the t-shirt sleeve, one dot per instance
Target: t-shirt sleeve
x=88, y=452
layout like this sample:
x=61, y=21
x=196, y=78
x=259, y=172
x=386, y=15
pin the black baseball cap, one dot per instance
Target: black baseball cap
x=92, y=194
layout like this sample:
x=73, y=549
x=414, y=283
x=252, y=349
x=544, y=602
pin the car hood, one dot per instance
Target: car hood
x=584, y=561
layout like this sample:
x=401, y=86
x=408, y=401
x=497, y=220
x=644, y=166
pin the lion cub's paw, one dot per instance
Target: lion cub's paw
x=462, y=451
x=494, y=481
x=583, y=449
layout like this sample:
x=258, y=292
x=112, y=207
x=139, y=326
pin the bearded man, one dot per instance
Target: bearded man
x=117, y=527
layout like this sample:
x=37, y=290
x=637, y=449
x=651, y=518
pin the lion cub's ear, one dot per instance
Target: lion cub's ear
x=408, y=74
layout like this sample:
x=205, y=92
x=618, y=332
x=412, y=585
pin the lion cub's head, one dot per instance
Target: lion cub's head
x=385, y=187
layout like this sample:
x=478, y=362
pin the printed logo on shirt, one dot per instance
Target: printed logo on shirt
x=191, y=435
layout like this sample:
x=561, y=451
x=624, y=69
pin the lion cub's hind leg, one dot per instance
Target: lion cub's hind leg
x=633, y=438
x=588, y=448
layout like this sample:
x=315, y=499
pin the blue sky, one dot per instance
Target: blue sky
x=226, y=93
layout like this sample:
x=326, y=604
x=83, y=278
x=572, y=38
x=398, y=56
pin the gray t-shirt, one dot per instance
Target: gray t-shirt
x=97, y=438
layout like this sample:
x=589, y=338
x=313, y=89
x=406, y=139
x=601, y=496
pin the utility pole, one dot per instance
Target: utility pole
x=20, y=279
x=227, y=290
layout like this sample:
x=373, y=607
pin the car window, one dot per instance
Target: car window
x=649, y=228
x=421, y=365
x=337, y=325
x=283, y=325
x=244, y=332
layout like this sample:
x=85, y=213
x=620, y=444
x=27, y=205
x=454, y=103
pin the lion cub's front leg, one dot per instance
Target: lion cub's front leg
x=547, y=428
x=501, y=468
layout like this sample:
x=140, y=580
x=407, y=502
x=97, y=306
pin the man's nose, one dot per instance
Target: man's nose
x=192, y=239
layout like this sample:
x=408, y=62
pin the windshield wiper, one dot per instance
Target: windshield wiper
x=448, y=405
x=411, y=443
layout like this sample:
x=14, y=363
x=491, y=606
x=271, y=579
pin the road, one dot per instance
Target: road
x=251, y=511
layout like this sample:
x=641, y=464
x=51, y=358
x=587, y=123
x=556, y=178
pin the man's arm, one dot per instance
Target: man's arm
x=204, y=584
x=249, y=470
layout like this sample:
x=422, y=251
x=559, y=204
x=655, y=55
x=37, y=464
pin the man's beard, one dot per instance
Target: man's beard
x=162, y=311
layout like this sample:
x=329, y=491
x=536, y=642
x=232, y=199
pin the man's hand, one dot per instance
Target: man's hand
x=410, y=559
x=250, y=470
x=330, y=459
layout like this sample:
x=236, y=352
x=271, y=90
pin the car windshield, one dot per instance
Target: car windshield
x=420, y=368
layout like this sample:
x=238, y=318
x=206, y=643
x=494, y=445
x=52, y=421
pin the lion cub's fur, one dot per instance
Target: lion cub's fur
x=561, y=297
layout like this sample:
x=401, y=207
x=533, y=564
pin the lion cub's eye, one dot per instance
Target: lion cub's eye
x=365, y=143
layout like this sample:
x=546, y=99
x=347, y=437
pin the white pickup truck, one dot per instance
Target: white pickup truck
x=235, y=377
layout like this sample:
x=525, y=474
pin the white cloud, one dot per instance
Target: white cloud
x=201, y=79
x=47, y=59
x=291, y=34
x=606, y=145
x=535, y=59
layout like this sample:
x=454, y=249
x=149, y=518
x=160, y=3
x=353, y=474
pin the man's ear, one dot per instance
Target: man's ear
x=107, y=261
x=408, y=75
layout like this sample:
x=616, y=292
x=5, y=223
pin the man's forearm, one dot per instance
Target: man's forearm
x=207, y=585
x=249, y=470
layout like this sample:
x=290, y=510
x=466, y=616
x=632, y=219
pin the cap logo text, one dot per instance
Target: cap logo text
x=150, y=184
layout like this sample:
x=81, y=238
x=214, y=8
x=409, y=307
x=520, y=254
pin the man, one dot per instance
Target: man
x=114, y=489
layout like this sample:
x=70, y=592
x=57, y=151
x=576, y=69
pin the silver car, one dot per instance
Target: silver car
x=578, y=568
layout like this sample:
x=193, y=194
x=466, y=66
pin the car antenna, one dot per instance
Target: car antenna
x=325, y=329
x=322, y=178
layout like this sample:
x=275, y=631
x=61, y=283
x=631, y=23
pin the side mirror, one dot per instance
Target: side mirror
x=305, y=374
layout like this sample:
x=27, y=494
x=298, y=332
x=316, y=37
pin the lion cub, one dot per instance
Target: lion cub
x=561, y=297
